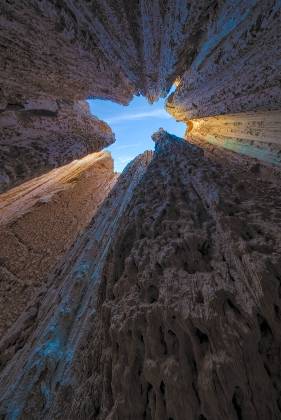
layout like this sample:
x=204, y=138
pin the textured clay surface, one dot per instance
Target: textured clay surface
x=47, y=337
x=121, y=48
x=188, y=314
x=37, y=136
x=237, y=65
x=255, y=134
x=39, y=221
x=186, y=320
x=164, y=302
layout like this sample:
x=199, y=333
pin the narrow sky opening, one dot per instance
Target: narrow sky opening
x=133, y=126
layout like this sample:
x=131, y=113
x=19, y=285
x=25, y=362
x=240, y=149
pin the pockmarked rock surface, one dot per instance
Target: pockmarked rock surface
x=101, y=48
x=188, y=315
x=39, y=135
x=224, y=58
x=39, y=221
x=184, y=319
x=229, y=95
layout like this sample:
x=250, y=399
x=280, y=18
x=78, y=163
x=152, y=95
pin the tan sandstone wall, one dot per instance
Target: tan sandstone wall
x=39, y=221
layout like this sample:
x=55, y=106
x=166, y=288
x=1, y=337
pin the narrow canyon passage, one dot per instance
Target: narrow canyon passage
x=171, y=293
x=151, y=293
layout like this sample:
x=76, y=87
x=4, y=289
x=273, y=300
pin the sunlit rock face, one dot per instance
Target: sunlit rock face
x=37, y=136
x=39, y=355
x=39, y=221
x=256, y=134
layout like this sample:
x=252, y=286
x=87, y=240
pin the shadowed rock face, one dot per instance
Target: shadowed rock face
x=226, y=94
x=224, y=57
x=37, y=136
x=237, y=65
x=38, y=353
x=101, y=48
x=187, y=323
x=186, y=319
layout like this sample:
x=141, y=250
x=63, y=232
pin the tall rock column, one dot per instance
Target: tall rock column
x=39, y=222
x=187, y=323
x=229, y=94
x=39, y=353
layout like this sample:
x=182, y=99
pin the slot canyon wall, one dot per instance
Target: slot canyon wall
x=40, y=135
x=154, y=294
x=53, y=325
x=226, y=94
x=40, y=220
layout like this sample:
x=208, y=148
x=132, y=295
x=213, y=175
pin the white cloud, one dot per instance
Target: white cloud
x=124, y=146
x=160, y=113
x=125, y=159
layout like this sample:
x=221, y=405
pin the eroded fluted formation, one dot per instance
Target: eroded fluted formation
x=38, y=355
x=168, y=307
x=101, y=48
x=37, y=136
x=188, y=315
x=255, y=134
x=226, y=94
x=237, y=65
x=224, y=57
x=39, y=221
x=54, y=53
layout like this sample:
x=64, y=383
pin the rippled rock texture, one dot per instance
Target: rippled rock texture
x=223, y=56
x=121, y=49
x=255, y=134
x=188, y=315
x=230, y=94
x=37, y=136
x=237, y=64
x=38, y=355
x=184, y=319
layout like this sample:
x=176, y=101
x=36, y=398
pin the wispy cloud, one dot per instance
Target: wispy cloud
x=155, y=113
x=125, y=159
x=115, y=146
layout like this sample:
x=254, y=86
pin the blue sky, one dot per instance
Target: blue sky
x=133, y=126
